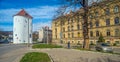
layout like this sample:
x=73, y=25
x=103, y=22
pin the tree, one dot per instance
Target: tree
x=101, y=39
x=74, y=4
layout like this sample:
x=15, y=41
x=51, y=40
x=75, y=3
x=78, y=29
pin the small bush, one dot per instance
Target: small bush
x=114, y=44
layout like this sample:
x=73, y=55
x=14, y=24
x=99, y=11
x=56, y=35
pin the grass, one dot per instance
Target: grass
x=46, y=46
x=35, y=57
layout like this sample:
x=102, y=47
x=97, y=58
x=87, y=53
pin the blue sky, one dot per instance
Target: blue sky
x=41, y=10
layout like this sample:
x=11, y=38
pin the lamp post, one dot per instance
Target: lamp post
x=28, y=33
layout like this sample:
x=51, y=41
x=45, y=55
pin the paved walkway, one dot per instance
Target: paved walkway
x=72, y=55
x=62, y=55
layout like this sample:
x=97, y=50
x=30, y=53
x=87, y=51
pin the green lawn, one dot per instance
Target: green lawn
x=46, y=46
x=35, y=57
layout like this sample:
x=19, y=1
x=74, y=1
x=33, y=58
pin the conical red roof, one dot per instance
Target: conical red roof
x=24, y=13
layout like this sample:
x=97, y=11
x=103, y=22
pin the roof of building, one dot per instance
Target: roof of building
x=24, y=13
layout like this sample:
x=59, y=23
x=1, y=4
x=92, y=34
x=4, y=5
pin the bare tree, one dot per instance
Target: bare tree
x=74, y=4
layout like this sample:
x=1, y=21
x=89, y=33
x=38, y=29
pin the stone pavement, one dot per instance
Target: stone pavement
x=72, y=55
x=63, y=55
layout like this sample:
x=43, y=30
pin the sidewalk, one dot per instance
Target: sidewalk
x=72, y=55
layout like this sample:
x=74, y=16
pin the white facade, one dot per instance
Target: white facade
x=45, y=35
x=22, y=29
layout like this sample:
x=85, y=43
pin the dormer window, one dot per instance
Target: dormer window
x=116, y=9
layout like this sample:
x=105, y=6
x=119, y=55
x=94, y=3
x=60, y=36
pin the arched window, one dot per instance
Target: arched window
x=97, y=23
x=117, y=32
x=116, y=9
x=108, y=32
x=107, y=22
x=116, y=20
x=97, y=33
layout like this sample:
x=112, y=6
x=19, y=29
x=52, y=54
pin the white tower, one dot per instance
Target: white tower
x=22, y=28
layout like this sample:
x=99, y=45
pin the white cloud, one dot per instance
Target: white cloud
x=46, y=12
x=37, y=26
x=37, y=12
x=42, y=12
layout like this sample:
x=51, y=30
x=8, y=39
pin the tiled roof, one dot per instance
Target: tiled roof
x=24, y=13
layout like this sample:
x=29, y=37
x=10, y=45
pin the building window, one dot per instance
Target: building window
x=108, y=42
x=68, y=28
x=68, y=21
x=78, y=26
x=117, y=42
x=63, y=29
x=107, y=22
x=30, y=35
x=78, y=19
x=108, y=33
x=72, y=35
x=55, y=30
x=68, y=35
x=78, y=34
x=91, y=33
x=91, y=25
x=117, y=32
x=116, y=9
x=91, y=42
x=64, y=36
x=25, y=21
x=15, y=34
x=72, y=27
x=107, y=11
x=97, y=33
x=72, y=19
x=97, y=23
x=116, y=20
x=55, y=24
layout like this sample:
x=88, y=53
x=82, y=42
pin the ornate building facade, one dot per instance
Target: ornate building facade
x=103, y=18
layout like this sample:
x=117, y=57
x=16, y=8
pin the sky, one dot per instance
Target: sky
x=42, y=12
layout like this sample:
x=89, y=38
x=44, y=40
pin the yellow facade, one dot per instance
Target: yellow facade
x=103, y=18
